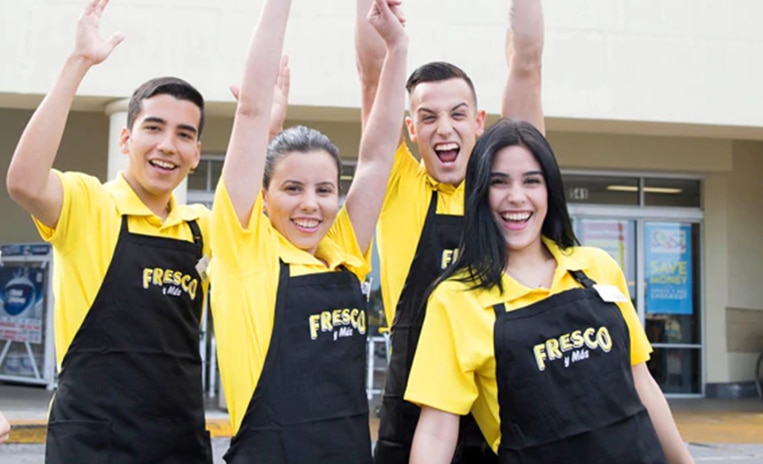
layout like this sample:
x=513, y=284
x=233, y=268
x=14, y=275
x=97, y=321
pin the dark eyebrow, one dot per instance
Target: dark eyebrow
x=188, y=128
x=526, y=174
x=427, y=110
x=154, y=119
x=161, y=121
x=533, y=173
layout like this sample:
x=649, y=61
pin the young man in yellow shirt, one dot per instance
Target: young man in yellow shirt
x=128, y=289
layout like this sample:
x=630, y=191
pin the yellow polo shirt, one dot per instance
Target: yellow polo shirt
x=85, y=237
x=244, y=278
x=409, y=191
x=456, y=344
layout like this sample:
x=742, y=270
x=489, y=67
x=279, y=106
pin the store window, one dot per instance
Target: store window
x=651, y=225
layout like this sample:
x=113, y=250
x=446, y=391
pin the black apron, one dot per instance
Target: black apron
x=130, y=390
x=310, y=404
x=565, y=385
x=437, y=247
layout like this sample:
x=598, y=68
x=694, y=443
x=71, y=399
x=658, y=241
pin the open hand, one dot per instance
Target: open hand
x=89, y=44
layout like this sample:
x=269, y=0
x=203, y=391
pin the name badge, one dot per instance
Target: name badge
x=610, y=294
x=202, y=266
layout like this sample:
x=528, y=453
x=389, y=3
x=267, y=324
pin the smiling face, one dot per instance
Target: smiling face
x=162, y=147
x=445, y=124
x=518, y=197
x=302, y=197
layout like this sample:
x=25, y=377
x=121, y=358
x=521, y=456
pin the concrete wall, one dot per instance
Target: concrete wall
x=83, y=148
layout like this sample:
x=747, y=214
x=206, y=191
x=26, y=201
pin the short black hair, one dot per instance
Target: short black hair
x=437, y=71
x=174, y=86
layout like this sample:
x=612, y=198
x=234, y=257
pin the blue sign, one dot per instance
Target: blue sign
x=22, y=297
x=668, y=268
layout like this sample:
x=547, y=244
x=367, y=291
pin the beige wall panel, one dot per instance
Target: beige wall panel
x=640, y=153
x=745, y=222
x=742, y=366
x=716, y=283
x=84, y=148
x=618, y=61
x=346, y=136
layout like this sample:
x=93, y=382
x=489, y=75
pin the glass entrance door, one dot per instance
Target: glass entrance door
x=672, y=302
x=660, y=259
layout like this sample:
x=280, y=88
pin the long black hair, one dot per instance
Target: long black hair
x=483, y=251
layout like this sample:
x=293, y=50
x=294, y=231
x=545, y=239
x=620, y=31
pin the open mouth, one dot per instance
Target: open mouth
x=163, y=165
x=306, y=225
x=515, y=220
x=447, y=152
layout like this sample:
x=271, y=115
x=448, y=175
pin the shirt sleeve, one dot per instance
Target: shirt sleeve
x=242, y=249
x=343, y=234
x=74, y=223
x=446, y=352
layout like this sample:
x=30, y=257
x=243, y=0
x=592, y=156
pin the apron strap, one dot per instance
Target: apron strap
x=196, y=232
x=583, y=279
x=499, y=309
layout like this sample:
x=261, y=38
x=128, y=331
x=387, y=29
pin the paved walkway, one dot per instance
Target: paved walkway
x=717, y=431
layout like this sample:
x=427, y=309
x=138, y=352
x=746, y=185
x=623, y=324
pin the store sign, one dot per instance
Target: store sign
x=577, y=193
x=22, y=294
x=668, y=268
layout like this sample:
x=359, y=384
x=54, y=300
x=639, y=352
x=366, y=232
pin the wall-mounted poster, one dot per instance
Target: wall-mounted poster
x=22, y=295
x=668, y=268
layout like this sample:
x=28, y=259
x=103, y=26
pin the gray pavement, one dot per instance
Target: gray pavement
x=711, y=454
x=23, y=403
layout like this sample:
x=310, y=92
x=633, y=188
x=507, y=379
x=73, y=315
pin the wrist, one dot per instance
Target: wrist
x=79, y=61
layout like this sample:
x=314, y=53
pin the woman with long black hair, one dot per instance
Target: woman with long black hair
x=530, y=332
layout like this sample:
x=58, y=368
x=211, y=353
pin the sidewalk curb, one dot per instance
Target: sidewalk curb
x=26, y=432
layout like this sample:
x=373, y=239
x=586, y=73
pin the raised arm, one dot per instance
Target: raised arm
x=30, y=181
x=524, y=53
x=369, y=54
x=381, y=134
x=245, y=157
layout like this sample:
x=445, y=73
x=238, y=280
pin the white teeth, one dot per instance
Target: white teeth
x=447, y=146
x=163, y=164
x=306, y=223
x=516, y=216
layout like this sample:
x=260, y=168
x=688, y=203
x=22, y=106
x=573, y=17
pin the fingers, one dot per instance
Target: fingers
x=116, y=39
x=396, y=6
x=387, y=8
x=91, y=7
x=99, y=6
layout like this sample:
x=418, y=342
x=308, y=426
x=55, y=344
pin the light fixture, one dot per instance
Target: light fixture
x=633, y=188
